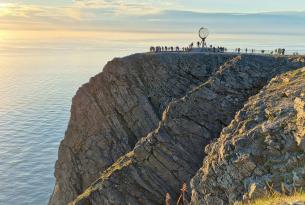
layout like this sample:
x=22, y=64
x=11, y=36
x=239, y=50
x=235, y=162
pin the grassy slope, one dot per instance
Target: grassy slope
x=278, y=199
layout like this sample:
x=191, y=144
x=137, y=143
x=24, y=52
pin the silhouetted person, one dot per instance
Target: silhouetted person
x=279, y=51
x=191, y=46
x=198, y=44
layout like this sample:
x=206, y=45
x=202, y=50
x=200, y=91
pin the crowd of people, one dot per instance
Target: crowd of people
x=211, y=48
x=218, y=49
x=279, y=51
x=167, y=49
x=189, y=48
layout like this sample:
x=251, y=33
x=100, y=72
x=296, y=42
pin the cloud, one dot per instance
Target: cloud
x=131, y=15
x=78, y=11
x=30, y=11
x=132, y=7
x=10, y=9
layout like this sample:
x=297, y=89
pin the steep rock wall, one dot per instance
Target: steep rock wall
x=261, y=151
x=120, y=106
x=173, y=152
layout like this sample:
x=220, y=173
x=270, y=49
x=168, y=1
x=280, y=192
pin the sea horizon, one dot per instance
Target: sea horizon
x=41, y=71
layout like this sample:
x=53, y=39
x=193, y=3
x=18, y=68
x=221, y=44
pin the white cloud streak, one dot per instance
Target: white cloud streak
x=78, y=11
x=113, y=15
x=132, y=7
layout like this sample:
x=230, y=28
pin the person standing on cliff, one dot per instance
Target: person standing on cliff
x=279, y=51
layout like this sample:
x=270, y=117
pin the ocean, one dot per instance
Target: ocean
x=36, y=92
x=38, y=81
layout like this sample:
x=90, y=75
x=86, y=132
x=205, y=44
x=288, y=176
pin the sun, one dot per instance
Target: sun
x=5, y=9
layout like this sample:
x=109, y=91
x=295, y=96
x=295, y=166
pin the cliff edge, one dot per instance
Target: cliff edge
x=138, y=129
x=120, y=106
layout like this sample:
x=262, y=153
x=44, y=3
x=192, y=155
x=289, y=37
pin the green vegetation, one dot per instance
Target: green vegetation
x=122, y=162
x=277, y=199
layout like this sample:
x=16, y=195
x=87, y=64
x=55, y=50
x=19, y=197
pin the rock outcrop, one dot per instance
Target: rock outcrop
x=262, y=149
x=173, y=152
x=120, y=106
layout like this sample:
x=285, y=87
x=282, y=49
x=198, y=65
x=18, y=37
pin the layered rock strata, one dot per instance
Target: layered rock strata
x=120, y=106
x=173, y=152
x=261, y=151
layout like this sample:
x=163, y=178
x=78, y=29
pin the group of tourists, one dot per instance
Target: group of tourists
x=213, y=49
x=238, y=50
x=279, y=51
x=157, y=49
x=218, y=49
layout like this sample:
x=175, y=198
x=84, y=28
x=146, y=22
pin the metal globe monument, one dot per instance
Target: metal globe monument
x=203, y=34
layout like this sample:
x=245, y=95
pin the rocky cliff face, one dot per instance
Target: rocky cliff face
x=150, y=116
x=120, y=106
x=261, y=150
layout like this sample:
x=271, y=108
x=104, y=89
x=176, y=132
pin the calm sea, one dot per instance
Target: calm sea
x=35, y=98
x=36, y=88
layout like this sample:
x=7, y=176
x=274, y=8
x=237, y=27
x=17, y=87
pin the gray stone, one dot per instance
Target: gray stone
x=272, y=147
x=120, y=106
x=172, y=153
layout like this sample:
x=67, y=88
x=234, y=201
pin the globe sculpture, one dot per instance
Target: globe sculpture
x=203, y=34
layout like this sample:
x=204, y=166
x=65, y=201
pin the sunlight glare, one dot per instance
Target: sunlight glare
x=5, y=9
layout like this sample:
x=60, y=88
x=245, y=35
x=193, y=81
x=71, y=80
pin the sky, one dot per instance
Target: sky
x=34, y=21
x=194, y=5
x=113, y=14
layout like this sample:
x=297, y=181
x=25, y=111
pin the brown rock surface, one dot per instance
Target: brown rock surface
x=261, y=150
x=173, y=152
x=118, y=107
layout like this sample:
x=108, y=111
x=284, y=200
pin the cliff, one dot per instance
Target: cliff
x=138, y=129
x=262, y=150
x=120, y=106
